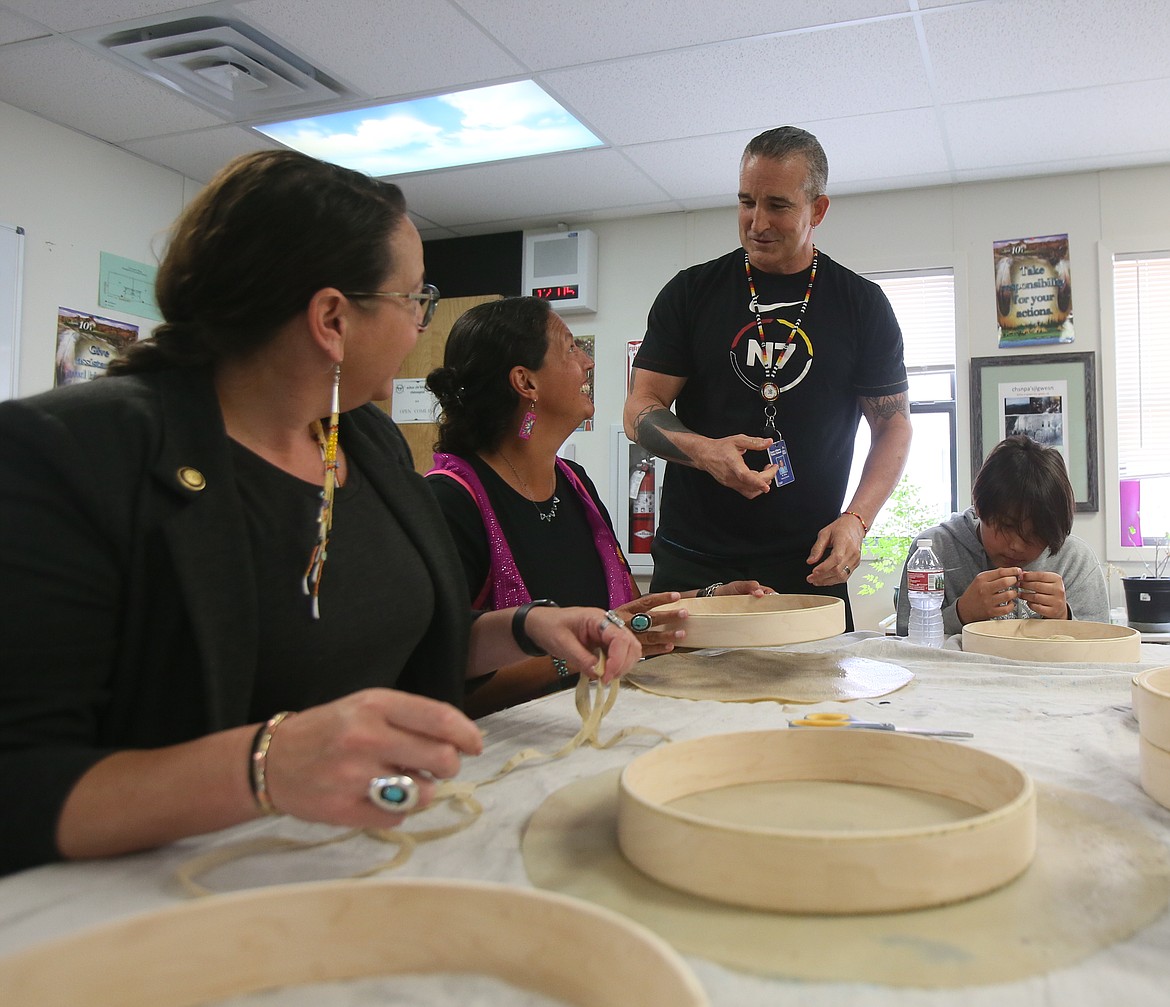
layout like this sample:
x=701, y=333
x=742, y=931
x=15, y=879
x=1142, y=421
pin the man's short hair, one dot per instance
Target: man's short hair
x=787, y=141
x=1023, y=486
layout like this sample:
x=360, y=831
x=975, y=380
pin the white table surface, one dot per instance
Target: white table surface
x=1069, y=725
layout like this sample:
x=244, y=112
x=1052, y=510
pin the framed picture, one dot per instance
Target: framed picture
x=1051, y=398
x=635, y=492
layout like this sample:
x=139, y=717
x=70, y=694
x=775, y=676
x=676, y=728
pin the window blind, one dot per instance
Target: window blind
x=924, y=303
x=1141, y=298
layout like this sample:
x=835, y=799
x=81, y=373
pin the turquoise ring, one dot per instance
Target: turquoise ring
x=396, y=794
x=641, y=622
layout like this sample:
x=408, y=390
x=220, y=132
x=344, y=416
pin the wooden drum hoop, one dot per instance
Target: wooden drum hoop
x=289, y=935
x=837, y=872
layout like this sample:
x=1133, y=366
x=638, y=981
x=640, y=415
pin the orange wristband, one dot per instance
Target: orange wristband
x=864, y=526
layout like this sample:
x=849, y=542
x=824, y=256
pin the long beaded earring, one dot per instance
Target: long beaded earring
x=529, y=421
x=328, y=444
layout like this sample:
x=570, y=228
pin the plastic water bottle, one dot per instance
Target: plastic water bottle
x=924, y=584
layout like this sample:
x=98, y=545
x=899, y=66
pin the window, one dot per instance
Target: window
x=1141, y=306
x=924, y=303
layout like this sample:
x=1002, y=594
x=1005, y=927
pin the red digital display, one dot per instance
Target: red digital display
x=565, y=293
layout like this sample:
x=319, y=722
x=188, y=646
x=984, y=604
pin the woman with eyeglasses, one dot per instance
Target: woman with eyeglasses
x=527, y=523
x=223, y=531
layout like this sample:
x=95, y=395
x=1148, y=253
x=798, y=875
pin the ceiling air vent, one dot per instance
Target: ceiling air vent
x=229, y=66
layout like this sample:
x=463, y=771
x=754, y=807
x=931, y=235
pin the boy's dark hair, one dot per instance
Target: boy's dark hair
x=1024, y=486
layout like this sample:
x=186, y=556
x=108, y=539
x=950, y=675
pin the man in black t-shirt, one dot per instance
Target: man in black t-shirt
x=771, y=355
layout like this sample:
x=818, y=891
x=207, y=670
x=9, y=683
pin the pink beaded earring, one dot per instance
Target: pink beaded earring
x=529, y=421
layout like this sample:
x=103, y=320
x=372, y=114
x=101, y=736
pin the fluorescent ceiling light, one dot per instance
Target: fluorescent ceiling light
x=467, y=127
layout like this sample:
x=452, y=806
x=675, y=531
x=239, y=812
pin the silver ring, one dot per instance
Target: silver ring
x=396, y=794
x=641, y=622
x=613, y=619
x=848, y=571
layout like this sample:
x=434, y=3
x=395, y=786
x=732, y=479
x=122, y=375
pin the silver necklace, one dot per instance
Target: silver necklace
x=529, y=495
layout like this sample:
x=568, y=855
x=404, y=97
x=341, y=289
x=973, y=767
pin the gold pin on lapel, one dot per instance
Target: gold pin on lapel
x=191, y=478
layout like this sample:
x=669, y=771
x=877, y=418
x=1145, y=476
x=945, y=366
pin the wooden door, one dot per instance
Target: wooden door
x=423, y=359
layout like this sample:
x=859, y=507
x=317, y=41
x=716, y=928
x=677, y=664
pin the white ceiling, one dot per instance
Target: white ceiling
x=902, y=93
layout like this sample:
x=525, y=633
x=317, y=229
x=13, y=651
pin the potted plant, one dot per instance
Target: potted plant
x=1147, y=597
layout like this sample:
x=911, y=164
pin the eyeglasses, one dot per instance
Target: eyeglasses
x=428, y=298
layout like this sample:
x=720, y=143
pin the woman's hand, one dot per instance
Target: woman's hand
x=577, y=634
x=664, y=631
x=321, y=761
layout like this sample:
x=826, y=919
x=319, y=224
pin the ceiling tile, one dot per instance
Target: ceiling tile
x=750, y=84
x=70, y=15
x=701, y=167
x=62, y=81
x=200, y=154
x=887, y=145
x=546, y=35
x=14, y=28
x=554, y=188
x=1011, y=47
x=385, y=50
x=1031, y=134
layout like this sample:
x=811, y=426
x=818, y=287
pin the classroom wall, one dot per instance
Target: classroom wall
x=77, y=197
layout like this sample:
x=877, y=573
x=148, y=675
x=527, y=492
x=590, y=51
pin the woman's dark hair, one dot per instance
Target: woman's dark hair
x=250, y=251
x=473, y=385
x=1023, y=486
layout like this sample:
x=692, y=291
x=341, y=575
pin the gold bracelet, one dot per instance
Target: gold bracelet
x=258, y=763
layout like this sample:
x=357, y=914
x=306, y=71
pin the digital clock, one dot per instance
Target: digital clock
x=567, y=292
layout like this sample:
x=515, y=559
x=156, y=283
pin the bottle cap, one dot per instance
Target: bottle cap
x=924, y=543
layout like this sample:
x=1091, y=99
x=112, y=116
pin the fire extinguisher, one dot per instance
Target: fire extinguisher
x=642, y=506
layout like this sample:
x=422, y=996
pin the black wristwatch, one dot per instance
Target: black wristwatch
x=523, y=640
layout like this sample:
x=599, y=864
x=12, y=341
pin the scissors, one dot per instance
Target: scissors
x=845, y=720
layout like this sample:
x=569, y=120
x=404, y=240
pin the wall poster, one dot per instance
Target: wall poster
x=587, y=344
x=87, y=343
x=1033, y=291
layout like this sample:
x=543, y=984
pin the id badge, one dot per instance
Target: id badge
x=778, y=455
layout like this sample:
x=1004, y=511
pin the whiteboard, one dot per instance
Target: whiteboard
x=11, y=271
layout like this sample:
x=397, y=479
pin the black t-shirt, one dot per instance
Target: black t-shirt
x=556, y=558
x=369, y=625
x=702, y=327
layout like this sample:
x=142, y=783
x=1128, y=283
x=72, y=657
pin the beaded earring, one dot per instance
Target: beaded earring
x=529, y=421
x=328, y=444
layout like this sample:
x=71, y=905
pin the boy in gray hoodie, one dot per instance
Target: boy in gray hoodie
x=1015, y=543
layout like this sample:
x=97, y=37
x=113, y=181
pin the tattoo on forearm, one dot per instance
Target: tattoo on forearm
x=651, y=426
x=885, y=406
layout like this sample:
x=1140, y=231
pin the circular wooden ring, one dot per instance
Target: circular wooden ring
x=1151, y=705
x=835, y=872
x=741, y=620
x=1054, y=641
x=289, y=935
x=1155, y=771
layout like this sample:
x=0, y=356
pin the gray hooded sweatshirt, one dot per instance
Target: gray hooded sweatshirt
x=956, y=543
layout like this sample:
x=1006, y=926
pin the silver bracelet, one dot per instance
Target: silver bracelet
x=709, y=590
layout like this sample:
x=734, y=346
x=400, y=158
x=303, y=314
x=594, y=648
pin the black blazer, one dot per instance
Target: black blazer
x=128, y=614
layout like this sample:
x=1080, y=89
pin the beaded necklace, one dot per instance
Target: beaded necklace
x=769, y=390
